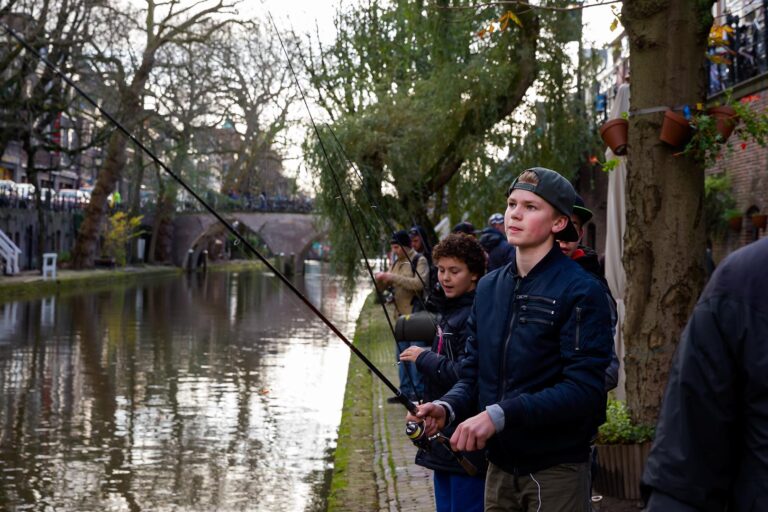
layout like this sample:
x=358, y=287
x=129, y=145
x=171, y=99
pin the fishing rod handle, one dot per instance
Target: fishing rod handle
x=416, y=433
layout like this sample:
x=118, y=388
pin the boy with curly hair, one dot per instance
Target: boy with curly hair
x=460, y=262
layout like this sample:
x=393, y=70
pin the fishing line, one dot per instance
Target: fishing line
x=379, y=213
x=341, y=192
x=468, y=466
x=402, y=398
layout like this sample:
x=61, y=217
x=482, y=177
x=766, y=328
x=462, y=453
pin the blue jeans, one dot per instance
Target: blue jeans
x=410, y=379
x=458, y=493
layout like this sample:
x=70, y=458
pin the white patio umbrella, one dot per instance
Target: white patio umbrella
x=614, y=235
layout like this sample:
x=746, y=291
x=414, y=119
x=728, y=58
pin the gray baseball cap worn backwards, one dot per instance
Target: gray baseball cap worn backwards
x=557, y=191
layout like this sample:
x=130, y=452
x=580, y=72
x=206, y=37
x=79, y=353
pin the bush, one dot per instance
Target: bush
x=120, y=231
x=618, y=427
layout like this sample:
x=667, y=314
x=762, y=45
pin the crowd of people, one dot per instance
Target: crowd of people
x=518, y=371
x=522, y=358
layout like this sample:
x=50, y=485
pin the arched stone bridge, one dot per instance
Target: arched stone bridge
x=287, y=233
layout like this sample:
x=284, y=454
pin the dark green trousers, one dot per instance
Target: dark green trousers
x=561, y=488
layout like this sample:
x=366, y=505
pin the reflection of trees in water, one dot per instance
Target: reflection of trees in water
x=149, y=391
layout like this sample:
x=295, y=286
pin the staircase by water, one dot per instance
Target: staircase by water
x=9, y=254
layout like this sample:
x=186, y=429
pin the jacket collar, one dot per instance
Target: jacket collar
x=551, y=258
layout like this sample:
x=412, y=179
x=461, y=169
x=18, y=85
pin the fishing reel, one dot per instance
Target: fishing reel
x=417, y=435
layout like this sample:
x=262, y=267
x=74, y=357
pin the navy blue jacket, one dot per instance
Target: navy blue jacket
x=440, y=370
x=538, y=346
x=711, y=448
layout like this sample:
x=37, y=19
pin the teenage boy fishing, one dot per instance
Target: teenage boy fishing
x=531, y=389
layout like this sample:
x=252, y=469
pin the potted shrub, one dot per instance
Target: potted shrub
x=713, y=127
x=734, y=219
x=622, y=449
x=726, y=118
x=675, y=130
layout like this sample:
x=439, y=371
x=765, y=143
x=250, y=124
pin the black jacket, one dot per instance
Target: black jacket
x=440, y=369
x=538, y=346
x=589, y=261
x=711, y=447
x=499, y=251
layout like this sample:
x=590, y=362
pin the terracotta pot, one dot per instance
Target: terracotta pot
x=676, y=130
x=726, y=120
x=614, y=134
x=735, y=223
x=759, y=220
x=620, y=467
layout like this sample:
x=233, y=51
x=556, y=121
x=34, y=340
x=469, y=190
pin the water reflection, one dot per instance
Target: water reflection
x=195, y=393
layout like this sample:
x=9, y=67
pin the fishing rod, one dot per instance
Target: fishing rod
x=343, y=198
x=415, y=431
x=402, y=398
x=379, y=213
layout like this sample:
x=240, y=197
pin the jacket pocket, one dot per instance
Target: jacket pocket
x=533, y=319
x=531, y=307
x=537, y=298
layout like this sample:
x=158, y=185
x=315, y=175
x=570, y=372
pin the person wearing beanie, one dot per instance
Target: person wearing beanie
x=464, y=227
x=531, y=390
x=496, y=221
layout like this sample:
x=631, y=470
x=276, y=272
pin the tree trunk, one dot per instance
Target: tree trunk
x=95, y=212
x=665, y=241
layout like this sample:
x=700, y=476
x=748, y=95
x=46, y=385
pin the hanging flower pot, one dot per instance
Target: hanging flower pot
x=726, y=120
x=735, y=223
x=759, y=220
x=676, y=130
x=614, y=134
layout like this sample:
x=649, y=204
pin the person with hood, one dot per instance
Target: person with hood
x=495, y=243
x=460, y=261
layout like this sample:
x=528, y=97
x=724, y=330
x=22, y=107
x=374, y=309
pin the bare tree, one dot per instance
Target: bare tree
x=258, y=94
x=164, y=23
x=36, y=101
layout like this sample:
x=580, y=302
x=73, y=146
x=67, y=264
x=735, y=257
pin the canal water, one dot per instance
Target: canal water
x=203, y=392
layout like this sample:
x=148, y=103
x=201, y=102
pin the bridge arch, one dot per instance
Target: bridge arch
x=287, y=233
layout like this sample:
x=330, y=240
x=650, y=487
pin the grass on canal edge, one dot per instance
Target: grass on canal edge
x=353, y=486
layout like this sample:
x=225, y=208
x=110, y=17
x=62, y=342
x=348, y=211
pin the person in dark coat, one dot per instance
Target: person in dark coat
x=499, y=251
x=532, y=388
x=587, y=258
x=711, y=448
x=461, y=262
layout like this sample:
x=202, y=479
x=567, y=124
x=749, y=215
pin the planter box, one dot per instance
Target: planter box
x=620, y=467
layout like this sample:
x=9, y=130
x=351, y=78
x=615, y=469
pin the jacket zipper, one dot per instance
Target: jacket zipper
x=526, y=307
x=537, y=298
x=525, y=319
x=503, y=376
x=578, y=325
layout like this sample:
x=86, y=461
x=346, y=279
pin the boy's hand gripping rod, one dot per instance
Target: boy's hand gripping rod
x=402, y=398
